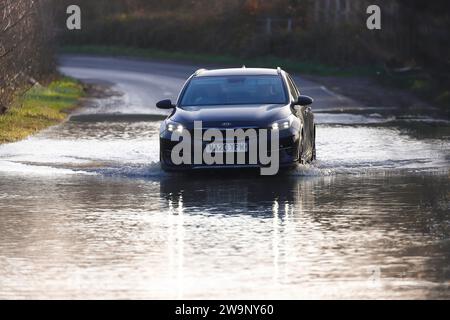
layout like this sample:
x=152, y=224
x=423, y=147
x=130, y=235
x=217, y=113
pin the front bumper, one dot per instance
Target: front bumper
x=288, y=151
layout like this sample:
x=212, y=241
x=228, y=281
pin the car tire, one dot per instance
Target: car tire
x=301, y=160
x=314, y=155
x=162, y=164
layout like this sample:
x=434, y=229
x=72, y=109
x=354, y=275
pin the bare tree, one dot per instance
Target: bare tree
x=25, y=45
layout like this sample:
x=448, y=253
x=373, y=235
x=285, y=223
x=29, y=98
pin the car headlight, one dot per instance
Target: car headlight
x=283, y=124
x=174, y=126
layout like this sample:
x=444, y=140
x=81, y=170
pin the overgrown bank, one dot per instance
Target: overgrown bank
x=26, y=46
x=39, y=108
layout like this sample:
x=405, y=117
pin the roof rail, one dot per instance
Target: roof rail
x=279, y=70
x=199, y=71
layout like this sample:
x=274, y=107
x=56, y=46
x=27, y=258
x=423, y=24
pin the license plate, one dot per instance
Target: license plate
x=226, y=147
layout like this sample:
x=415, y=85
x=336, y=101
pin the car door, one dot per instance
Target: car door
x=306, y=116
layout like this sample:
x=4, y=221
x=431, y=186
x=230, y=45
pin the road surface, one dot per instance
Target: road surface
x=86, y=212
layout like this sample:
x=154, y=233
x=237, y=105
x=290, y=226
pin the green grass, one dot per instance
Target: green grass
x=39, y=108
x=305, y=67
x=423, y=85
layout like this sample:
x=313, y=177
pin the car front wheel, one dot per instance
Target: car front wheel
x=314, y=157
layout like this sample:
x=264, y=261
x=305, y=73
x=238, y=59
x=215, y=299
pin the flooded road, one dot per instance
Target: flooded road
x=86, y=212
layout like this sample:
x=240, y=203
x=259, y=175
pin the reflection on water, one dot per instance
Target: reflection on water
x=221, y=237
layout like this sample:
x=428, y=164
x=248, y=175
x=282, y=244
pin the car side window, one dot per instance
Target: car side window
x=292, y=87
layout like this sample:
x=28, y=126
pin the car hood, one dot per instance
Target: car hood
x=231, y=116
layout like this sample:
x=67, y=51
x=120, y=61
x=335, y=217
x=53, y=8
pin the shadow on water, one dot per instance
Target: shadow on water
x=236, y=193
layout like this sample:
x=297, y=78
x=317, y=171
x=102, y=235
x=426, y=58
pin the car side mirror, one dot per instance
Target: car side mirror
x=304, y=101
x=165, y=104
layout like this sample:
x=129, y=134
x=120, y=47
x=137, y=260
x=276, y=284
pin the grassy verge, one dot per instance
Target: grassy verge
x=423, y=84
x=38, y=108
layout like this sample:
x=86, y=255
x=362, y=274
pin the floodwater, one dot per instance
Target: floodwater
x=86, y=212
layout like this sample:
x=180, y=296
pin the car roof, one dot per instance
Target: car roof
x=237, y=72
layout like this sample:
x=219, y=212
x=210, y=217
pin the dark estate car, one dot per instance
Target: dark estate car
x=241, y=98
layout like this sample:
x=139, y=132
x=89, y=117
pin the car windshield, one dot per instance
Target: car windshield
x=229, y=90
